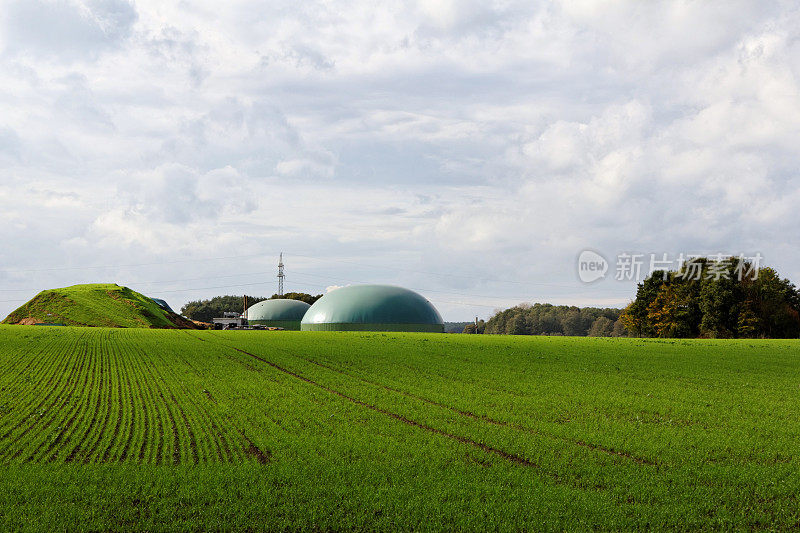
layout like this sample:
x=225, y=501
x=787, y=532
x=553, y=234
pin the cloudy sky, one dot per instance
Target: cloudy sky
x=467, y=149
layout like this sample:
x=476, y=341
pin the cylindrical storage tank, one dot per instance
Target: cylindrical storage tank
x=283, y=313
x=372, y=308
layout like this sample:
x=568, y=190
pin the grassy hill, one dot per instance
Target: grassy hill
x=101, y=304
x=120, y=429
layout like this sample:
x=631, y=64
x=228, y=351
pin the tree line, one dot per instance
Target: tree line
x=548, y=319
x=722, y=298
x=709, y=298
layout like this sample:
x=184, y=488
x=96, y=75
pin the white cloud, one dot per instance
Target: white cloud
x=332, y=288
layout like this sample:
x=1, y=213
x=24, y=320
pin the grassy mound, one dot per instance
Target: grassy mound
x=99, y=304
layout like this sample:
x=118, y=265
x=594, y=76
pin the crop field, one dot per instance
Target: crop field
x=172, y=429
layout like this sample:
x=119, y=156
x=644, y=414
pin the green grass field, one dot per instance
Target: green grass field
x=165, y=429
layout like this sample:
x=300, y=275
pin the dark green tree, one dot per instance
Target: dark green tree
x=205, y=310
x=302, y=296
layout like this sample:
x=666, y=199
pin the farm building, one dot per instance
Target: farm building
x=283, y=313
x=372, y=308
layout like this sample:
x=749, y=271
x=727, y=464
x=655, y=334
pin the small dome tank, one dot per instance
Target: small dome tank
x=282, y=313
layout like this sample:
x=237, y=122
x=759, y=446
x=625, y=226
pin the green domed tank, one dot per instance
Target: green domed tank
x=283, y=313
x=372, y=308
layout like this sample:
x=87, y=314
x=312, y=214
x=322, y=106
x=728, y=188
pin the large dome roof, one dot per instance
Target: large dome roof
x=282, y=313
x=373, y=308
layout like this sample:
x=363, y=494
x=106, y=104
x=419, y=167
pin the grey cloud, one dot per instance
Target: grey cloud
x=300, y=56
x=10, y=145
x=66, y=28
x=174, y=47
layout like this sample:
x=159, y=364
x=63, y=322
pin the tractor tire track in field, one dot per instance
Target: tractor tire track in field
x=464, y=440
x=487, y=419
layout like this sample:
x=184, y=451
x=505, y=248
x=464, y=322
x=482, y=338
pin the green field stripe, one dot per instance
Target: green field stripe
x=94, y=438
x=175, y=447
x=73, y=416
x=35, y=416
x=148, y=430
x=44, y=430
x=181, y=412
x=199, y=434
x=164, y=373
x=150, y=387
x=139, y=420
x=64, y=418
x=230, y=437
x=178, y=436
x=24, y=360
x=214, y=428
x=212, y=443
x=94, y=404
x=134, y=415
x=165, y=449
x=250, y=450
x=30, y=399
x=151, y=418
x=131, y=413
x=117, y=413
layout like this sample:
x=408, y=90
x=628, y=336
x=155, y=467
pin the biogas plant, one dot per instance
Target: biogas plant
x=350, y=308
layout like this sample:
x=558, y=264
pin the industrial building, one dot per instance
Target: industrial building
x=372, y=308
x=229, y=320
x=285, y=314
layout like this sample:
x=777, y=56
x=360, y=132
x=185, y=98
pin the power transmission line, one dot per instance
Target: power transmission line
x=58, y=269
